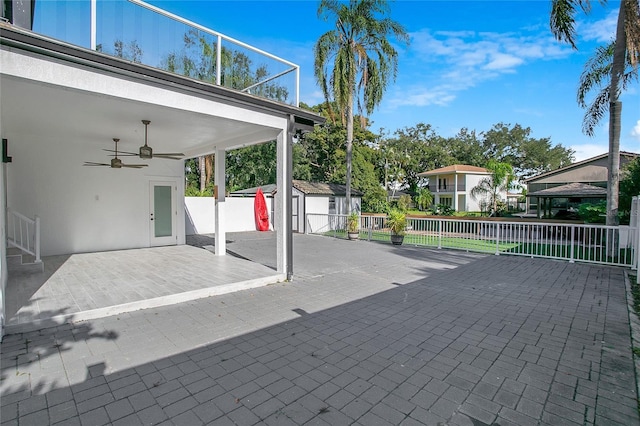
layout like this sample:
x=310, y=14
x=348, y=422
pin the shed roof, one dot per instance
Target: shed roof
x=269, y=189
x=323, y=188
x=455, y=168
x=571, y=190
x=308, y=188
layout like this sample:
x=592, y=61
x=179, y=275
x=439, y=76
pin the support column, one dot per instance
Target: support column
x=283, y=210
x=219, y=174
x=455, y=192
x=3, y=246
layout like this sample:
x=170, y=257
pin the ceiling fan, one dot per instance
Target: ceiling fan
x=146, y=152
x=115, y=162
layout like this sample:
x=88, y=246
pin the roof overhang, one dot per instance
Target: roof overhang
x=51, y=89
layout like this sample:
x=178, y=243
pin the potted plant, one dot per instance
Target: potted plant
x=397, y=223
x=353, y=226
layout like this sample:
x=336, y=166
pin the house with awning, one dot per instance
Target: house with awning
x=564, y=189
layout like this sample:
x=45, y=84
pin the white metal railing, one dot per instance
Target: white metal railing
x=24, y=233
x=611, y=245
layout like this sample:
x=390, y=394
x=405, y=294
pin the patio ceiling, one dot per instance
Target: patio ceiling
x=43, y=111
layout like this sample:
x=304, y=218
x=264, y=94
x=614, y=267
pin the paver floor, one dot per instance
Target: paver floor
x=367, y=334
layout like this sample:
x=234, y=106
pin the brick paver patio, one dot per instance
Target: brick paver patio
x=387, y=335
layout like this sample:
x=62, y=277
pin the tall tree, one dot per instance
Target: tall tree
x=355, y=61
x=626, y=48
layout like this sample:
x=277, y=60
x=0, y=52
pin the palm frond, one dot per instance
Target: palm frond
x=596, y=110
x=562, y=21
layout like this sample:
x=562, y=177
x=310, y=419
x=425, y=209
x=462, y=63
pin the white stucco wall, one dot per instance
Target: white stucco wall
x=85, y=208
x=200, y=214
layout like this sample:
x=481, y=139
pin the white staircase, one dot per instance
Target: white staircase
x=23, y=243
x=21, y=262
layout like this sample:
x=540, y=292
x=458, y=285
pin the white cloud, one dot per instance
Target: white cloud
x=635, y=132
x=467, y=58
x=501, y=61
x=602, y=31
x=584, y=151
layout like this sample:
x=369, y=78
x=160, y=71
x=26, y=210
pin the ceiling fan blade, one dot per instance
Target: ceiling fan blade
x=135, y=166
x=123, y=153
x=170, y=156
x=90, y=163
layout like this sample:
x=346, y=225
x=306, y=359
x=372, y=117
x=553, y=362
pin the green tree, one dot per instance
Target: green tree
x=423, y=198
x=489, y=188
x=626, y=49
x=414, y=150
x=629, y=186
x=356, y=61
x=528, y=156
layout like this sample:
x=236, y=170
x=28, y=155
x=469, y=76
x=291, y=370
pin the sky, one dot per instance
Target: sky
x=469, y=64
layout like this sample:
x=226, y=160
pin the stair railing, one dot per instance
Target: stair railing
x=24, y=233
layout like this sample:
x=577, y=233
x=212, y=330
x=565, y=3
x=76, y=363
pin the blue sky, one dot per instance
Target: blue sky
x=470, y=63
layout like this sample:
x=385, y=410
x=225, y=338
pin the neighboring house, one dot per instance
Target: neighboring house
x=311, y=197
x=452, y=186
x=564, y=189
x=61, y=106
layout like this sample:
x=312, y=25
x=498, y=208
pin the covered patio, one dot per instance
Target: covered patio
x=63, y=108
x=84, y=286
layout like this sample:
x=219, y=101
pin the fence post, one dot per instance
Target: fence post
x=440, y=233
x=497, y=238
x=37, y=238
x=573, y=230
x=370, y=233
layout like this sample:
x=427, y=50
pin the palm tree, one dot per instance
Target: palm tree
x=626, y=49
x=424, y=197
x=500, y=180
x=355, y=61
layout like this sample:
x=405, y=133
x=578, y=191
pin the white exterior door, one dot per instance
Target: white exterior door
x=162, y=213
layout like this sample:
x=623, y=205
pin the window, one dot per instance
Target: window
x=442, y=183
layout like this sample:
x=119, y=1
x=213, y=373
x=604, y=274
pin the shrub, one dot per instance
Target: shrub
x=404, y=203
x=593, y=213
x=442, y=210
x=397, y=221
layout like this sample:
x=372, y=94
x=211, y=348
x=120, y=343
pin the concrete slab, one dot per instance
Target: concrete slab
x=390, y=335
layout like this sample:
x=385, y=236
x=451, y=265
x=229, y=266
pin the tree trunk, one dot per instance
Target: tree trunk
x=349, y=113
x=615, y=108
x=203, y=173
x=208, y=166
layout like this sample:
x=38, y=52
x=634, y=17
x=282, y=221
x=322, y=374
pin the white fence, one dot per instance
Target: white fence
x=611, y=245
x=200, y=214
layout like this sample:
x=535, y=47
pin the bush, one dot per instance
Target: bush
x=593, y=213
x=404, y=203
x=442, y=210
x=397, y=221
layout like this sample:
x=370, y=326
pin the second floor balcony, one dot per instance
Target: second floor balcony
x=145, y=34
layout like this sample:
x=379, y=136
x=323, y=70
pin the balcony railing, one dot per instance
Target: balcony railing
x=145, y=34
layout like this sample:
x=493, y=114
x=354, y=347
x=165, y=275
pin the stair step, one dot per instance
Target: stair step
x=14, y=251
x=26, y=268
x=18, y=261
